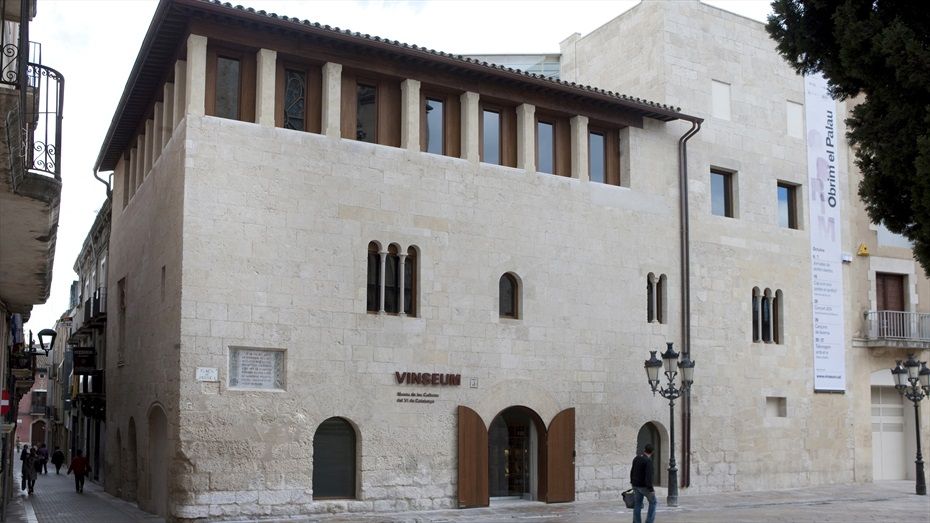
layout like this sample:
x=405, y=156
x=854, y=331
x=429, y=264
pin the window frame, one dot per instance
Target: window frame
x=514, y=303
x=561, y=141
x=247, y=79
x=313, y=94
x=387, y=106
x=611, y=136
x=792, y=190
x=729, y=192
x=507, y=132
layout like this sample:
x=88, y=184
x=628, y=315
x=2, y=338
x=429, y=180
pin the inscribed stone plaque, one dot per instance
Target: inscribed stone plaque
x=256, y=368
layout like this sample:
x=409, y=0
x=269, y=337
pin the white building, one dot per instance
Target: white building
x=349, y=274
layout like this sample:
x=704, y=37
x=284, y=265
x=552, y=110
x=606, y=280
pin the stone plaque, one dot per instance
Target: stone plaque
x=207, y=374
x=251, y=368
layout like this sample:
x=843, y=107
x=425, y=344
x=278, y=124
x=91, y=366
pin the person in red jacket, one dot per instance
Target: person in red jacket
x=81, y=467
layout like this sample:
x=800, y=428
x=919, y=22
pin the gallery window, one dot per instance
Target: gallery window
x=603, y=155
x=767, y=313
x=498, y=135
x=392, y=279
x=440, y=122
x=298, y=97
x=370, y=109
x=509, y=288
x=721, y=193
x=553, y=144
x=334, y=460
x=230, y=83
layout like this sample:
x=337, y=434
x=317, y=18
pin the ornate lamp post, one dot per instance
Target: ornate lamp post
x=671, y=393
x=913, y=382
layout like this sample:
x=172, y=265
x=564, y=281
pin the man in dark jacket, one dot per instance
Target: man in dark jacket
x=641, y=478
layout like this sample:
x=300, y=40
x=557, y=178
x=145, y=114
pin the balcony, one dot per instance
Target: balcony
x=897, y=329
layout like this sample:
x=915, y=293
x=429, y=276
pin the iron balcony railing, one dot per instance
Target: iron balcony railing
x=34, y=126
x=897, y=325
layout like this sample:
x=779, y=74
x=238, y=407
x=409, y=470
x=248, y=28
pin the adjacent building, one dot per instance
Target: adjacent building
x=31, y=95
x=351, y=274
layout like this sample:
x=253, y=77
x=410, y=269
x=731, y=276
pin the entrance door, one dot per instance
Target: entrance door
x=561, y=457
x=648, y=433
x=888, y=460
x=473, y=459
x=511, y=438
x=889, y=297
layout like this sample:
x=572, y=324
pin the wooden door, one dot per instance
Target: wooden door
x=560, y=440
x=473, y=459
x=889, y=290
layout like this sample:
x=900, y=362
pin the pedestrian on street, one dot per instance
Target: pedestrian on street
x=641, y=478
x=24, y=453
x=22, y=457
x=58, y=459
x=81, y=467
x=43, y=458
x=29, y=469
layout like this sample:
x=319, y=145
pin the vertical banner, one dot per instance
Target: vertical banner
x=823, y=173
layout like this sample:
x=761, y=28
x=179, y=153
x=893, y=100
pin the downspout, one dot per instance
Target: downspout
x=105, y=182
x=685, y=294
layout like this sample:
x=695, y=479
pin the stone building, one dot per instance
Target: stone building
x=351, y=274
x=30, y=192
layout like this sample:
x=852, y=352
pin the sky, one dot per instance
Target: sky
x=94, y=44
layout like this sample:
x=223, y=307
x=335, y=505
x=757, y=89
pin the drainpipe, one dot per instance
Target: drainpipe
x=685, y=294
x=105, y=182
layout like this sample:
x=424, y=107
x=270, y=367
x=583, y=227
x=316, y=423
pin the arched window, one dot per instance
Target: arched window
x=756, y=311
x=374, y=277
x=392, y=280
x=778, y=332
x=334, y=460
x=509, y=296
x=660, y=299
x=767, y=316
x=410, y=282
x=650, y=298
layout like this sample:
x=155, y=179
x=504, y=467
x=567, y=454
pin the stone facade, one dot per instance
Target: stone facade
x=245, y=235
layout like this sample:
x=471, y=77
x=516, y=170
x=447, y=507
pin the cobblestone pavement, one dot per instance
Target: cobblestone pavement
x=55, y=501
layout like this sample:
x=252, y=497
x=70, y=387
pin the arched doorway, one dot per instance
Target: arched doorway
x=516, y=454
x=649, y=433
x=334, y=463
x=38, y=433
x=132, y=464
x=158, y=461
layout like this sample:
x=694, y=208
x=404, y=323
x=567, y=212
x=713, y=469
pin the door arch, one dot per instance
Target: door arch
x=158, y=461
x=650, y=433
x=517, y=455
x=334, y=460
x=130, y=487
x=37, y=433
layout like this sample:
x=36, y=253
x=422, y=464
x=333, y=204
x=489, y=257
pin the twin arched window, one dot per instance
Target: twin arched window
x=767, y=312
x=392, y=279
x=509, y=288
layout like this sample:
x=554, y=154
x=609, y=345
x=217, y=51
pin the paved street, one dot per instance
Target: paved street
x=55, y=501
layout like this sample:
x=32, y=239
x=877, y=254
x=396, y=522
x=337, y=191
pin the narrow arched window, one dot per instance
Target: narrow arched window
x=334, y=460
x=756, y=312
x=778, y=333
x=509, y=296
x=374, y=277
x=650, y=298
x=392, y=280
x=410, y=282
x=660, y=299
x=767, y=316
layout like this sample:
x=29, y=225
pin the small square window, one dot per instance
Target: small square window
x=787, y=206
x=776, y=407
x=721, y=193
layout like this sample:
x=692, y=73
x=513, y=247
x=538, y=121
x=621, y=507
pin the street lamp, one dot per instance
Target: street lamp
x=913, y=382
x=46, y=342
x=671, y=393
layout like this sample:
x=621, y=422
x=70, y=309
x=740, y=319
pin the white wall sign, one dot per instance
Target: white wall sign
x=207, y=374
x=823, y=144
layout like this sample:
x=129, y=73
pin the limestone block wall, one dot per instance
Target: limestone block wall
x=736, y=444
x=142, y=372
x=276, y=227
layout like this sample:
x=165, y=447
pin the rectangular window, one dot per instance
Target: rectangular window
x=545, y=147
x=491, y=139
x=435, y=126
x=720, y=100
x=295, y=99
x=121, y=320
x=227, y=88
x=787, y=206
x=366, y=113
x=298, y=97
x=721, y=193
x=776, y=407
x=597, y=157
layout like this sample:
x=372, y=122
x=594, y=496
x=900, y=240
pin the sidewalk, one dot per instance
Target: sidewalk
x=55, y=501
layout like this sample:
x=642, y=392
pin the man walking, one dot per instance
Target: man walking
x=80, y=466
x=641, y=479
